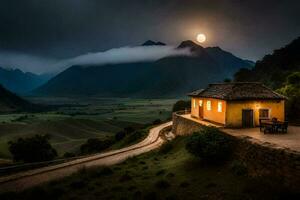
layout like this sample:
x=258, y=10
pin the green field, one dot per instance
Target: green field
x=77, y=119
x=170, y=173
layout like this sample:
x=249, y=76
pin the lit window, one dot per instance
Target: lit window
x=200, y=103
x=219, y=106
x=208, y=105
x=263, y=113
x=194, y=103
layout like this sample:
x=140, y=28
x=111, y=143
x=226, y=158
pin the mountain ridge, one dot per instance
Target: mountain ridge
x=21, y=82
x=166, y=77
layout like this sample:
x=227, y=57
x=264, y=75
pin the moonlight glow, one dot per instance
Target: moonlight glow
x=201, y=38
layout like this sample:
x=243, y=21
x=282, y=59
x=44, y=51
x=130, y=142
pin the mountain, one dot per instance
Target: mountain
x=10, y=102
x=20, y=82
x=152, y=43
x=167, y=77
x=274, y=68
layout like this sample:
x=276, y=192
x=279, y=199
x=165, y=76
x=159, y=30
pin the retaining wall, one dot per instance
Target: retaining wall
x=261, y=158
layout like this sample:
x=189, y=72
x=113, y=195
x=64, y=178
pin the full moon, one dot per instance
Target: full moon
x=201, y=37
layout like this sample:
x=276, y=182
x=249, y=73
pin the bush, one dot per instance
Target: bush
x=69, y=155
x=129, y=130
x=94, y=145
x=181, y=105
x=162, y=184
x=157, y=121
x=120, y=135
x=32, y=149
x=210, y=145
x=238, y=168
x=136, y=135
x=166, y=148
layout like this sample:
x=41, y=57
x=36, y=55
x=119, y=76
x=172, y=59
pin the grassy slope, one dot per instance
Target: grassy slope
x=70, y=126
x=155, y=175
x=66, y=134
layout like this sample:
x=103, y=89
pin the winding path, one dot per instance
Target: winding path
x=24, y=180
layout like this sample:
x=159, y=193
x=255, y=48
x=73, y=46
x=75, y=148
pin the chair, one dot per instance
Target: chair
x=268, y=129
x=283, y=127
x=262, y=124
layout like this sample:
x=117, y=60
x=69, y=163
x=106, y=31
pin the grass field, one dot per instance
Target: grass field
x=77, y=119
x=168, y=173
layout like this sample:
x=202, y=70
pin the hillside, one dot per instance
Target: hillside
x=273, y=69
x=20, y=82
x=168, y=173
x=280, y=71
x=9, y=102
x=166, y=77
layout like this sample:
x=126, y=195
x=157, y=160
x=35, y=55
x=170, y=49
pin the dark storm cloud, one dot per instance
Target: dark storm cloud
x=60, y=29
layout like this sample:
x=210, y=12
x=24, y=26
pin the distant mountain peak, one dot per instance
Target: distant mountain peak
x=152, y=43
x=194, y=48
x=189, y=43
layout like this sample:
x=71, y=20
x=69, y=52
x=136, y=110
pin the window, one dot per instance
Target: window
x=208, y=105
x=194, y=103
x=219, y=106
x=263, y=113
x=200, y=103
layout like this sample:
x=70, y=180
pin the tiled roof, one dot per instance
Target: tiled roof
x=238, y=91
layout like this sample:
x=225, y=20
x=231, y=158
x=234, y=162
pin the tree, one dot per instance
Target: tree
x=227, y=80
x=120, y=135
x=294, y=78
x=32, y=149
x=181, y=105
x=94, y=145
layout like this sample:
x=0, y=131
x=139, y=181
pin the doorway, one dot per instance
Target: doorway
x=247, y=118
x=201, y=112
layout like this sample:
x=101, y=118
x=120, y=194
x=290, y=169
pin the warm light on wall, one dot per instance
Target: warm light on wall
x=257, y=106
x=194, y=103
x=219, y=106
x=208, y=105
x=200, y=103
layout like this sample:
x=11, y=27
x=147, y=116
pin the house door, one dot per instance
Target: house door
x=201, y=112
x=247, y=118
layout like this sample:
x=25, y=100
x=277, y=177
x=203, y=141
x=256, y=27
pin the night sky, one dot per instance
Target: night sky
x=50, y=30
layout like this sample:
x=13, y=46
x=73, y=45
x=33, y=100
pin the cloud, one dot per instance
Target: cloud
x=127, y=55
x=30, y=63
x=27, y=63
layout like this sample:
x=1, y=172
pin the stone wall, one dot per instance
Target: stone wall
x=183, y=126
x=265, y=159
x=261, y=158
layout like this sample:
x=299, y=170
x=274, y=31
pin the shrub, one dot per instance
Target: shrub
x=162, y=184
x=157, y=121
x=166, y=148
x=160, y=172
x=32, y=149
x=129, y=130
x=120, y=135
x=181, y=105
x=136, y=135
x=210, y=145
x=151, y=196
x=238, y=168
x=184, y=184
x=94, y=145
x=78, y=184
x=69, y=155
x=125, y=177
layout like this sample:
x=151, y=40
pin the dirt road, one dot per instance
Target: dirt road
x=24, y=180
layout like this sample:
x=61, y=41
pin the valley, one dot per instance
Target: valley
x=77, y=119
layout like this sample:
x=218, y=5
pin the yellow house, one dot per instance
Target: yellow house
x=239, y=104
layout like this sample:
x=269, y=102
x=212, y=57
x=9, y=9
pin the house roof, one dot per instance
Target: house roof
x=238, y=91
